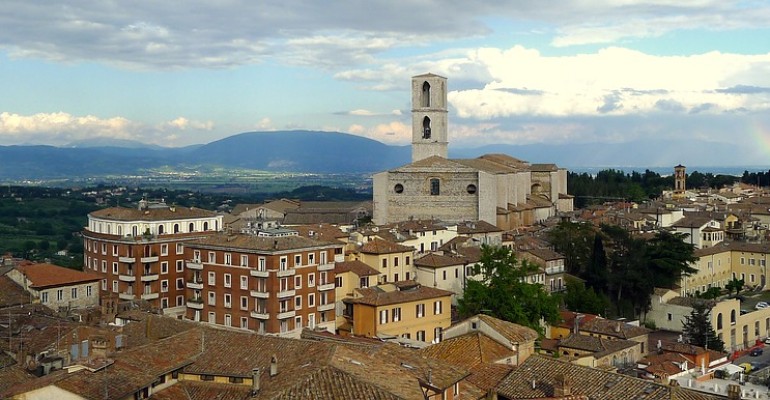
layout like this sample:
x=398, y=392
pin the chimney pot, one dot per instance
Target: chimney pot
x=254, y=381
x=273, y=365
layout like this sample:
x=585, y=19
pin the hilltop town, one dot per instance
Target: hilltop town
x=408, y=296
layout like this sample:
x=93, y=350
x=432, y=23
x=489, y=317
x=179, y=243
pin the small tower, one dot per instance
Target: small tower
x=429, y=116
x=679, y=181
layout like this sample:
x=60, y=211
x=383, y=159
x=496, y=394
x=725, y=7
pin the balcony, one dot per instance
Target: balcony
x=339, y=257
x=150, y=296
x=260, y=294
x=326, y=307
x=326, y=267
x=195, y=264
x=326, y=286
x=286, y=314
x=259, y=274
x=127, y=278
x=286, y=293
x=150, y=277
x=287, y=272
x=195, y=304
x=260, y=314
x=195, y=285
x=149, y=259
x=129, y=260
x=126, y=296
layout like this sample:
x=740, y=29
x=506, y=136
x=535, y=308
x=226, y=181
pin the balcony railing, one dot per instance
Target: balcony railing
x=196, y=304
x=150, y=296
x=326, y=267
x=286, y=293
x=259, y=273
x=195, y=264
x=287, y=272
x=286, y=314
x=127, y=278
x=150, y=277
x=260, y=294
x=126, y=296
x=326, y=286
x=149, y=259
x=326, y=307
x=195, y=285
x=260, y=314
x=127, y=259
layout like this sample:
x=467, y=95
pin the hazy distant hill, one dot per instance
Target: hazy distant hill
x=334, y=152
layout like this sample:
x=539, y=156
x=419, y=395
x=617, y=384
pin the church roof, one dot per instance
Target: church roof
x=428, y=75
x=435, y=164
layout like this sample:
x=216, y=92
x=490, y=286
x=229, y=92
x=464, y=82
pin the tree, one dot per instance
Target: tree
x=573, y=240
x=735, y=284
x=580, y=298
x=670, y=257
x=504, y=293
x=596, y=271
x=697, y=327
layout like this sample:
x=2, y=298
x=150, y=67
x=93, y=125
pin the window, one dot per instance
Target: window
x=228, y=280
x=420, y=310
x=297, y=302
x=244, y=282
x=74, y=293
x=298, y=282
x=212, y=257
x=197, y=256
x=311, y=280
x=44, y=297
x=407, y=260
x=311, y=258
x=114, y=287
x=421, y=336
x=364, y=282
x=437, y=307
x=284, y=283
x=283, y=265
x=384, y=263
x=383, y=317
x=212, y=320
x=337, y=281
x=164, y=267
x=164, y=302
x=179, y=248
x=297, y=260
x=435, y=187
x=104, y=248
x=298, y=322
x=164, y=249
x=322, y=278
x=471, y=189
x=399, y=188
x=244, y=260
x=228, y=320
x=212, y=278
x=180, y=283
x=261, y=266
x=104, y=284
x=443, y=273
x=669, y=316
x=396, y=314
x=228, y=259
x=311, y=300
x=179, y=265
x=164, y=286
x=212, y=299
x=244, y=303
x=228, y=300
x=244, y=323
x=114, y=268
x=114, y=250
x=179, y=301
x=283, y=306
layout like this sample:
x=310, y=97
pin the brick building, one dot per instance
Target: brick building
x=271, y=285
x=139, y=252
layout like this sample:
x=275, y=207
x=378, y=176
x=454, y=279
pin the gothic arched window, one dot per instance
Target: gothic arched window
x=435, y=187
x=426, y=128
x=426, y=94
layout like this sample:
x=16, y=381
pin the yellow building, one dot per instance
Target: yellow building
x=392, y=260
x=402, y=309
x=717, y=265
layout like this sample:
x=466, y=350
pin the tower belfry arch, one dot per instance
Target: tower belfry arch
x=429, y=117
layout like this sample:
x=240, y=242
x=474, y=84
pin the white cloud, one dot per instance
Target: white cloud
x=395, y=132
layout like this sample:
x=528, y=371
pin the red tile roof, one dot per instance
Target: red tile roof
x=43, y=276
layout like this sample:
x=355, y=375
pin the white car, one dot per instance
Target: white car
x=761, y=305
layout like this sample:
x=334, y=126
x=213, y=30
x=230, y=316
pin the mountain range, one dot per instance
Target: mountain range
x=329, y=152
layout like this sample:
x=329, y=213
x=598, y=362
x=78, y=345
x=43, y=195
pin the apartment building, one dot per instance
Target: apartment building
x=139, y=252
x=57, y=287
x=271, y=285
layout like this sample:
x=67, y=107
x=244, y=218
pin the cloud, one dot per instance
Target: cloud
x=61, y=128
x=367, y=113
x=395, y=132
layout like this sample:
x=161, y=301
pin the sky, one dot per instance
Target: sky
x=176, y=73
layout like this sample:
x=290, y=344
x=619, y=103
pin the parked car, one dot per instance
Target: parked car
x=757, y=351
x=761, y=305
x=767, y=340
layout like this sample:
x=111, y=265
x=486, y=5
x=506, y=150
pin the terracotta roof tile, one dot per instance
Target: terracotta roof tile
x=151, y=214
x=357, y=267
x=390, y=294
x=258, y=243
x=435, y=260
x=469, y=351
x=380, y=246
x=48, y=275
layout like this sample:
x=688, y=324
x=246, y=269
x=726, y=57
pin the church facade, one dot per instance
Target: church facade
x=495, y=188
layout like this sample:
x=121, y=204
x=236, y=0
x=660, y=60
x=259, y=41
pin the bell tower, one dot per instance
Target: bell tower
x=429, y=116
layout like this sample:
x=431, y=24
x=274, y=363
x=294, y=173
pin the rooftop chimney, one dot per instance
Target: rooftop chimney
x=562, y=386
x=254, y=381
x=273, y=365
